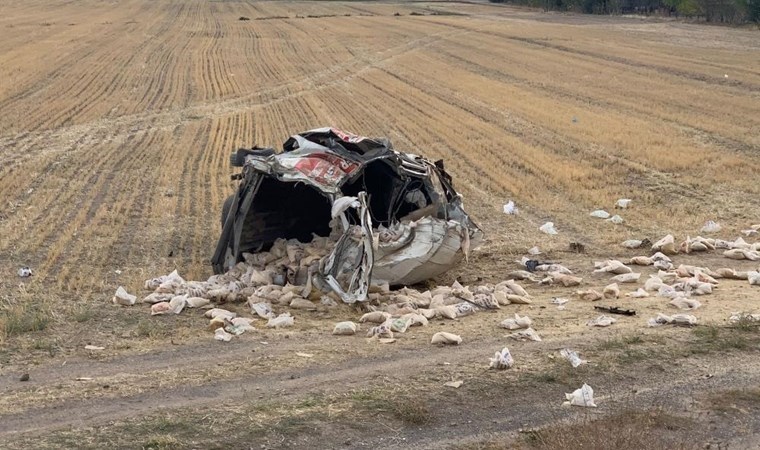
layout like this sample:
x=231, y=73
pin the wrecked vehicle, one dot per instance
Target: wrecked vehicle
x=389, y=217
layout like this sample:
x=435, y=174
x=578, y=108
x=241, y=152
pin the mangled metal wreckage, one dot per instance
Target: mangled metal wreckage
x=383, y=216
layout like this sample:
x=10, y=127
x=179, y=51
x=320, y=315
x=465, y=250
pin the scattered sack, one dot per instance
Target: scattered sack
x=611, y=291
x=572, y=356
x=623, y=203
x=528, y=334
x=400, y=325
x=581, y=397
x=548, y=228
x=381, y=331
x=25, y=272
x=601, y=321
x=454, y=384
x=639, y=293
x=345, y=329
x=665, y=245
x=516, y=323
x=221, y=313
x=754, y=278
x=121, y=297
x=612, y=266
x=632, y=243
x=510, y=208
x=626, y=278
x=743, y=317
x=677, y=319
x=283, y=320
x=710, y=227
x=600, y=214
x=502, y=360
x=617, y=220
x=263, y=310
x=375, y=317
x=177, y=303
x=197, y=302
x=302, y=303
x=685, y=303
x=589, y=295
x=160, y=308
x=533, y=251
x=444, y=338
x=221, y=335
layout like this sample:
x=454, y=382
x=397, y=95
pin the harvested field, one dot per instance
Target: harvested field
x=116, y=122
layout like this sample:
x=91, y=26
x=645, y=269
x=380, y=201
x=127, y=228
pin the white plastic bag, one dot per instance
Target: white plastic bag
x=26, y=272
x=710, y=227
x=345, y=328
x=623, y=203
x=502, y=360
x=516, y=323
x=445, y=338
x=548, y=228
x=617, y=220
x=572, y=356
x=601, y=321
x=581, y=397
x=510, y=208
x=121, y=297
x=221, y=335
x=263, y=310
x=600, y=214
x=283, y=320
x=527, y=334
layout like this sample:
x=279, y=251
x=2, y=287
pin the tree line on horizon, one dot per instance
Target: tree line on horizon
x=715, y=11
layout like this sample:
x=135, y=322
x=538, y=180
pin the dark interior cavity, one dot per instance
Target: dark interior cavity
x=383, y=187
x=284, y=210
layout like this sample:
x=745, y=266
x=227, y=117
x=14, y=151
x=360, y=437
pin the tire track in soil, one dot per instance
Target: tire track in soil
x=615, y=392
x=636, y=66
x=467, y=64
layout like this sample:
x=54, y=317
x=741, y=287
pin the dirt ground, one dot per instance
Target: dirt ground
x=116, y=121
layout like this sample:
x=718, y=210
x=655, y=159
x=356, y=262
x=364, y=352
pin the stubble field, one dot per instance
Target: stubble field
x=116, y=122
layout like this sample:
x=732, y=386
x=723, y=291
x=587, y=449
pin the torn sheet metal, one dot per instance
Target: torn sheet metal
x=396, y=216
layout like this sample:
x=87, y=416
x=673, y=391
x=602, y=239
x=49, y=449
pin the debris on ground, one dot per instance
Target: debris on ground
x=738, y=317
x=581, y=397
x=753, y=278
x=633, y=243
x=510, y=208
x=616, y=219
x=516, y=323
x=283, y=320
x=121, y=297
x=502, y=360
x=93, y=347
x=623, y=203
x=548, y=228
x=638, y=293
x=454, y=384
x=25, y=272
x=572, y=356
x=710, y=227
x=529, y=334
x=666, y=245
x=626, y=278
x=611, y=291
x=24, y=377
x=533, y=251
x=601, y=321
x=600, y=214
x=676, y=319
x=611, y=266
x=685, y=303
x=616, y=310
x=589, y=295
x=221, y=335
x=345, y=328
x=444, y=338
